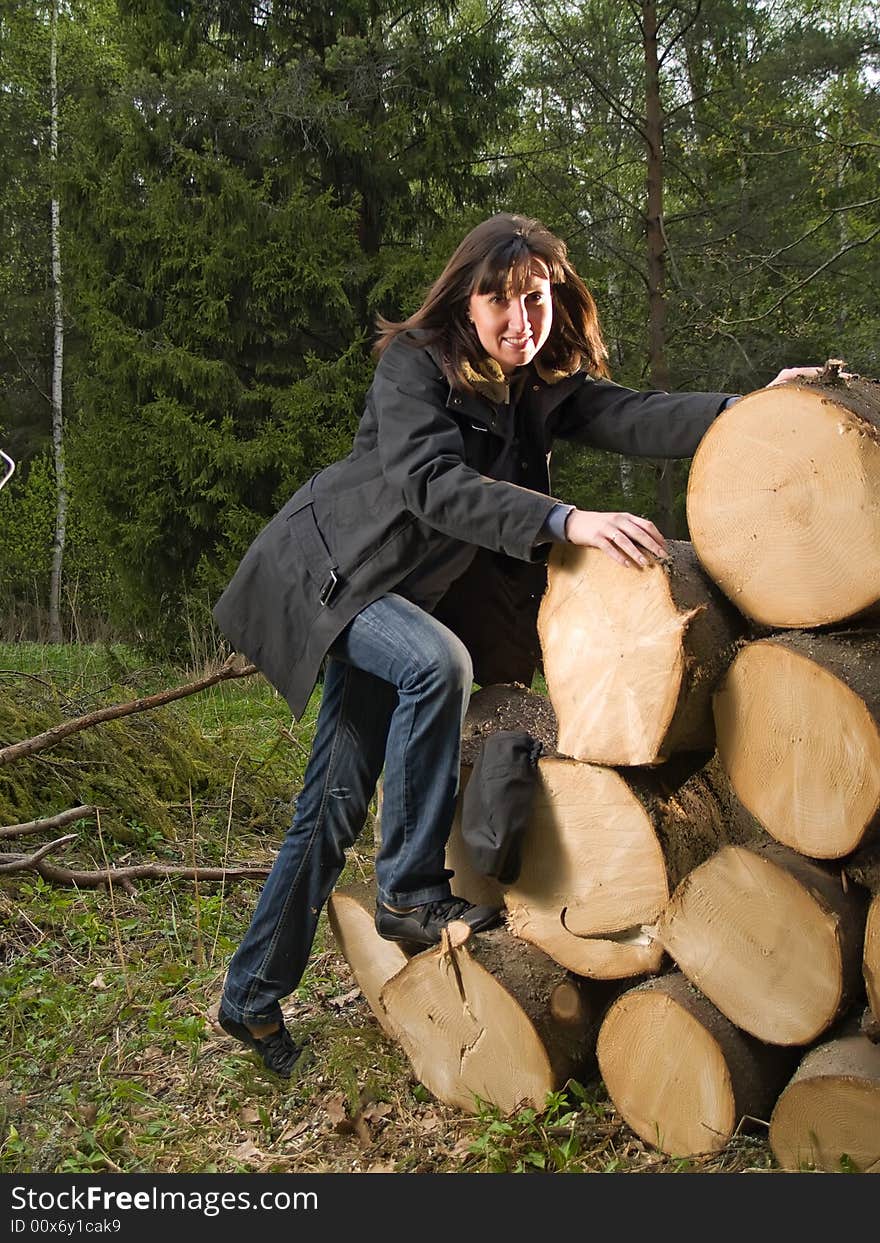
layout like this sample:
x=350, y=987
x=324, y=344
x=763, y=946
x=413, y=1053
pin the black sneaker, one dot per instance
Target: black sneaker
x=278, y=1051
x=423, y=924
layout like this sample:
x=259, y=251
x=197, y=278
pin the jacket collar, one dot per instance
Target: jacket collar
x=488, y=380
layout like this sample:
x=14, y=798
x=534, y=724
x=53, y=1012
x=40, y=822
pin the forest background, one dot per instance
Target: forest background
x=204, y=205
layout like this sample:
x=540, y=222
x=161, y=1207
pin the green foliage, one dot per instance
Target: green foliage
x=155, y=776
x=770, y=123
x=27, y=518
x=549, y=1140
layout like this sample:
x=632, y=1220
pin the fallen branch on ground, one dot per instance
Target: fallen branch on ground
x=21, y=863
x=121, y=876
x=29, y=746
x=49, y=822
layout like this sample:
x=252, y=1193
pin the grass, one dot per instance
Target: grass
x=110, y=1059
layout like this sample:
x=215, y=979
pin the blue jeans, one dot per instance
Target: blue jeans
x=396, y=688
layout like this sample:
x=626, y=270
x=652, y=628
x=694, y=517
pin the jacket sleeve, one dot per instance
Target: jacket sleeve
x=422, y=454
x=640, y=424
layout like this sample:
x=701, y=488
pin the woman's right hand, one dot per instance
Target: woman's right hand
x=625, y=538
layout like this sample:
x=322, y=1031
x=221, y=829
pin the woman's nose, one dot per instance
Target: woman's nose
x=518, y=315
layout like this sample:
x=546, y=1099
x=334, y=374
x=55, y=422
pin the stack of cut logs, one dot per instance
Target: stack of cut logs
x=698, y=906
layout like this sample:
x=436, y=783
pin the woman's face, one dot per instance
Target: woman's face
x=512, y=330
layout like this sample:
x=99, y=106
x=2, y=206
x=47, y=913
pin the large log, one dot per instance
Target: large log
x=828, y=1117
x=783, y=502
x=631, y=656
x=489, y=1018
x=680, y=1074
x=774, y=940
x=798, y=724
x=603, y=851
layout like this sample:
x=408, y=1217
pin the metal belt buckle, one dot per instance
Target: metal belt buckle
x=329, y=587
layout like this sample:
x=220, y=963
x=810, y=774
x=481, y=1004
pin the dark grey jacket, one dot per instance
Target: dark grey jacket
x=446, y=493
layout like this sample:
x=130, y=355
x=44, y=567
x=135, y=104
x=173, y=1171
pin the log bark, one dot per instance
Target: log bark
x=798, y=724
x=680, y=1074
x=489, y=1018
x=828, y=1117
x=774, y=940
x=871, y=959
x=373, y=960
x=783, y=502
x=631, y=657
x=603, y=851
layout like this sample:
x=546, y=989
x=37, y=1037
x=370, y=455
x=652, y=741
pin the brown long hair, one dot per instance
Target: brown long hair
x=496, y=257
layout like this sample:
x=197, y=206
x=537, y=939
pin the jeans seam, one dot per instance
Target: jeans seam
x=319, y=821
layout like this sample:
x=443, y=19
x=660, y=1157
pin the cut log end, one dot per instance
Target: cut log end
x=828, y=1118
x=475, y=1018
x=681, y=1076
x=814, y=788
x=630, y=656
x=770, y=938
x=373, y=960
x=771, y=535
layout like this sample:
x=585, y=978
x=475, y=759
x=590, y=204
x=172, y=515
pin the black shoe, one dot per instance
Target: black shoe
x=423, y=924
x=279, y=1052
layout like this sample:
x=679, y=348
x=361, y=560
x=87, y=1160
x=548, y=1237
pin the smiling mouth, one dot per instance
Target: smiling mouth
x=518, y=343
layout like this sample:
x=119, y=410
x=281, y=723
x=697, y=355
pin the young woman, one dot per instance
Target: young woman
x=414, y=567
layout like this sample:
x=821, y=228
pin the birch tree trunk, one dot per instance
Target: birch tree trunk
x=55, y=635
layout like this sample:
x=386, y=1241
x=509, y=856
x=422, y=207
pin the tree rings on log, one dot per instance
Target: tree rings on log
x=631, y=657
x=828, y=1118
x=783, y=502
x=680, y=1074
x=772, y=939
x=482, y=1018
x=373, y=960
x=601, y=854
x=798, y=725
